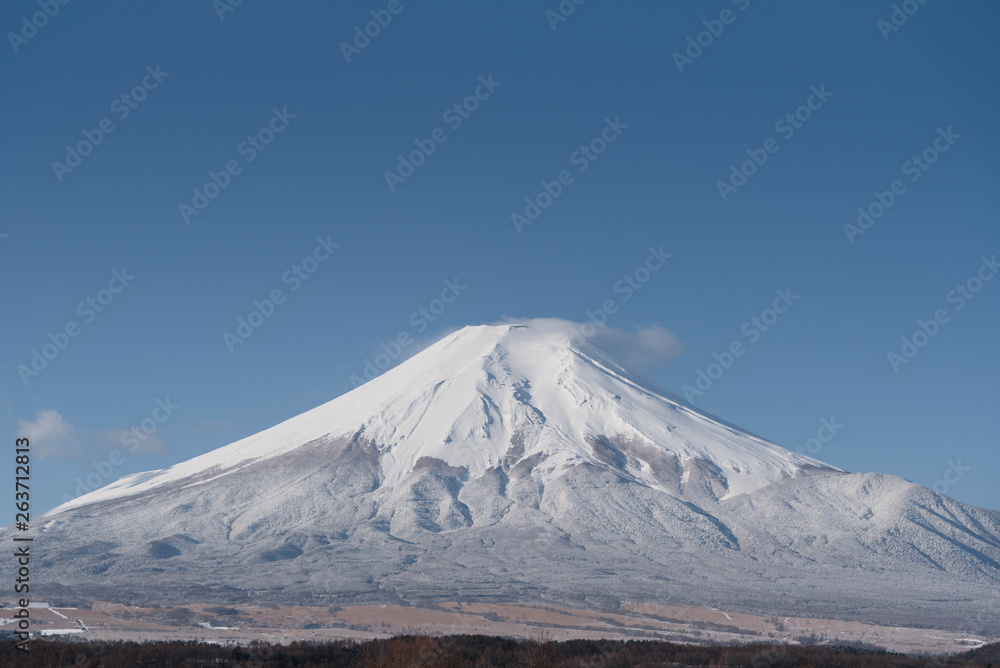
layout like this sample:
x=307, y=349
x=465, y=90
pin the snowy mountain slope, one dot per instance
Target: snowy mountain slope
x=467, y=398
x=517, y=463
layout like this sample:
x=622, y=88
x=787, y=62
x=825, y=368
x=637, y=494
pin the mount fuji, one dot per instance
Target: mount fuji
x=519, y=462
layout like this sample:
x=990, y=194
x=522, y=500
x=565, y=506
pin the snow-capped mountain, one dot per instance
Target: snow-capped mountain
x=488, y=395
x=519, y=462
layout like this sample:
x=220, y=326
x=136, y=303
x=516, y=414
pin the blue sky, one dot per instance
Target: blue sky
x=267, y=92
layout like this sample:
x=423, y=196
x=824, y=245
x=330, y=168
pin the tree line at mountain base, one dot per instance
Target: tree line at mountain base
x=475, y=652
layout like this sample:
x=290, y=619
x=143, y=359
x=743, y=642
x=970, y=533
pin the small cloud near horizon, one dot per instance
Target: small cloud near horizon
x=52, y=436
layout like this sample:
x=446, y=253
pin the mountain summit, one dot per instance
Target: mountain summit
x=519, y=462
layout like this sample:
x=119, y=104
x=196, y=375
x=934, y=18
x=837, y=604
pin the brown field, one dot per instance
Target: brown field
x=219, y=624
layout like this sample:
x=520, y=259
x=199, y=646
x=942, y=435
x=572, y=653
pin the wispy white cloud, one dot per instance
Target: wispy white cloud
x=646, y=348
x=52, y=436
